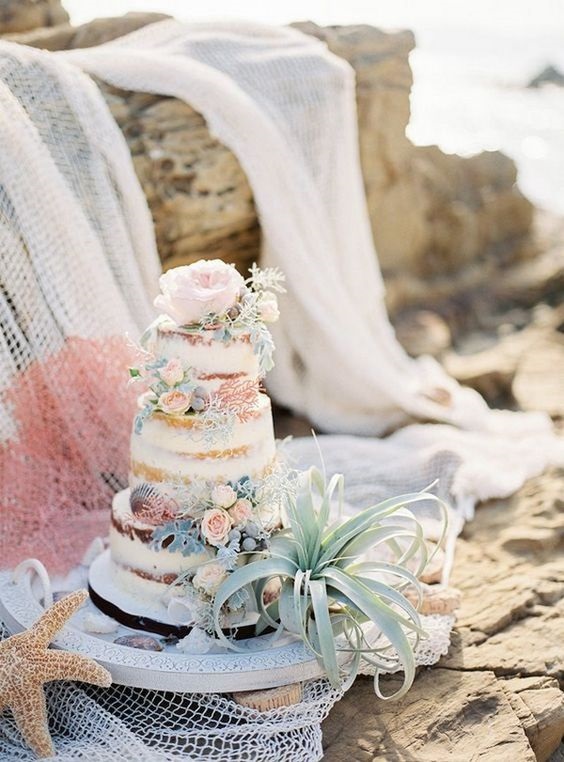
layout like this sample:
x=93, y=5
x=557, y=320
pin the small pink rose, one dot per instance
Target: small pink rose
x=241, y=512
x=215, y=526
x=175, y=402
x=223, y=495
x=209, y=577
x=172, y=373
x=268, y=307
x=192, y=291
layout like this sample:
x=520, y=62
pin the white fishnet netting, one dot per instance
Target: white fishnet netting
x=122, y=723
x=78, y=266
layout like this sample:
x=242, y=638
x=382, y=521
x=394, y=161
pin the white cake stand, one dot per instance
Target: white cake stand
x=261, y=662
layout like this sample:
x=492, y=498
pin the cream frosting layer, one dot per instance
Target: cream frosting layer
x=145, y=591
x=213, y=361
x=173, y=449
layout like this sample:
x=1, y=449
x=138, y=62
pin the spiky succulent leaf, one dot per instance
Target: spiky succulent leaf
x=330, y=592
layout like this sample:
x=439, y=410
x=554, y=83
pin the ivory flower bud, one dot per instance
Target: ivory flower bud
x=208, y=578
x=223, y=495
x=268, y=307
x=172, y=373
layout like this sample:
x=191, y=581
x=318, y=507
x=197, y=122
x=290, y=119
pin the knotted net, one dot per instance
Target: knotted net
x=78, y=268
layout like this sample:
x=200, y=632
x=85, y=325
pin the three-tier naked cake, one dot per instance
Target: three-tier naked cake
x=205, y=486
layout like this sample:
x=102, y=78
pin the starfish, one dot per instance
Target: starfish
x=26, y=663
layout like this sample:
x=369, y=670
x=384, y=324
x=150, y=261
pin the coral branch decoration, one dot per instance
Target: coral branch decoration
x=71, y=412
x=238, y=397
x=338, y=600
x=26, y=664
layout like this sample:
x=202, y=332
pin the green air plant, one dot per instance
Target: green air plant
x=343, y=605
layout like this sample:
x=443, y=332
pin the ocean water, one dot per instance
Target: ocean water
x=469, y=96
x=471, y=65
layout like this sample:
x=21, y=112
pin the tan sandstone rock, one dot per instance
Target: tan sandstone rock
x=22, y=15
x=525, y=366
x=537, y=701
x=447, y=715
x=65, y=36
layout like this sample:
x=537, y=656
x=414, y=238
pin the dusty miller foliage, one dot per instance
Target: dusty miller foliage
x=181, y=535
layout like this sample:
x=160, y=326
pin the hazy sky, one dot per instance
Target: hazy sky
x=502, y=15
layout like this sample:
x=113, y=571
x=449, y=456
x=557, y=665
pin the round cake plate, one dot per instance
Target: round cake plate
x=260, y=663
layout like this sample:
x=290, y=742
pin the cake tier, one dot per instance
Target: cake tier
x=148, y=615
x=145, y=573
x=213, y=361
x=139, y=569
x=173, y=449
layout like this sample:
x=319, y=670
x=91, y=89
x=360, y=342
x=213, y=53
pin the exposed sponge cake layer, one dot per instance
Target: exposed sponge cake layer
x=213, y=361
x=174, y=449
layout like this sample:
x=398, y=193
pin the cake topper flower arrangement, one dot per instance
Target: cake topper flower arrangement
x=211, y=295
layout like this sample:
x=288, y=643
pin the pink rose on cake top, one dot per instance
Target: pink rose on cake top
x=192, y=291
